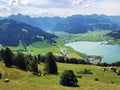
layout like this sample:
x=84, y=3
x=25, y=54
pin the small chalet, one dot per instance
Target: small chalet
x=64, y=52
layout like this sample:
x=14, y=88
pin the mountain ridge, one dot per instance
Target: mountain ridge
x=11, y=32
x=82, y=23
x=44, y=23
x=71, y=24
x=50, y=23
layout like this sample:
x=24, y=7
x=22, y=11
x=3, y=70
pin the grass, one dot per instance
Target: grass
x=89, y=36
x=43, y=47
x=22, y=80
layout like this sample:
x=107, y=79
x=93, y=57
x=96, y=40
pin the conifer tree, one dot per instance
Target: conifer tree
x=8, y=56
x=21, y=61
x=2, y=54
x=51, y=67
x=35, y=65
x=39, y=58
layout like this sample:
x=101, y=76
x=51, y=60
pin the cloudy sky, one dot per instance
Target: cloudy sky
x=36, y=8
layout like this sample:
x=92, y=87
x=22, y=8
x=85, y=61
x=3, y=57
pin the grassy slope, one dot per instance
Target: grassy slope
x=90, y=36
x=21, y=80
x=44, y=47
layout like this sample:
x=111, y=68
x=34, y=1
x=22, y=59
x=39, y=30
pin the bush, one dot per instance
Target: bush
x=0, y=75
x=39, y=73
x=96, y=79
x=118, y=73
x=85, y=71
x=68, y=78
x=112, y=82
x=79, y=76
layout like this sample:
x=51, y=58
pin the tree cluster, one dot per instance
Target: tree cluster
x=110, y=64
x=71, y=60
x=20, y=60
x=29, y=62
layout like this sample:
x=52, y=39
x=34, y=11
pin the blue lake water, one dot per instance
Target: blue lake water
x=110, y=53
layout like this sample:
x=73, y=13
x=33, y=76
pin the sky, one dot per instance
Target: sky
x=63, y=8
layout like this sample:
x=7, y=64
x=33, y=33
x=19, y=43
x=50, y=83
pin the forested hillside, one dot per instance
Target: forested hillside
x=12, y=32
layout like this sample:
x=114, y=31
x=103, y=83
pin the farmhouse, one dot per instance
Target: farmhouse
x=94, y=61
x=64, y=53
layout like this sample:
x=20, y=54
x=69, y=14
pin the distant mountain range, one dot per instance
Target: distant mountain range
x=114, y=19
x=12, y=32
x=72, y=24
x=26, y=29
x=81, y=24
x=44, y=23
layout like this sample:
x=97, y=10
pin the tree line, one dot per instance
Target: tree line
x=28, y=62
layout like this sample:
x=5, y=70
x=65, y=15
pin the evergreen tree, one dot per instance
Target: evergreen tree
x=8, y=56
x=21, y=61
x=2, y=54
x=42, y=58
x=51, y=67
x=68, y=78
x=35, y=65
x=39, y=58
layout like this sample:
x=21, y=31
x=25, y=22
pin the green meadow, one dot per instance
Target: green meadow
x=44, y=47
x=89, y=36
x=22, y=80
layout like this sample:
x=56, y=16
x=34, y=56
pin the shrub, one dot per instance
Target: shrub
x=68, y=78
x=112, y=82
x=39, y=73
x=118, y=73
x=79, y=76
x=85, y=71
x=96, y=79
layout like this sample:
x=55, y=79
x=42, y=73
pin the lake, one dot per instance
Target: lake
x=110, y=53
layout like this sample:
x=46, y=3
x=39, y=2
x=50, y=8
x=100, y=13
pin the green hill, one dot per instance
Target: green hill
x=115, y=34
x=22, y=80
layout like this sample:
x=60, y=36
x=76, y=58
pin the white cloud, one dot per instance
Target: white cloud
x=59, y=7
x=78, y=2
x=108, y=7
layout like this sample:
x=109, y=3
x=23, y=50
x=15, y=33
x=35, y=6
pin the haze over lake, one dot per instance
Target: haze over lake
x=110, y=53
